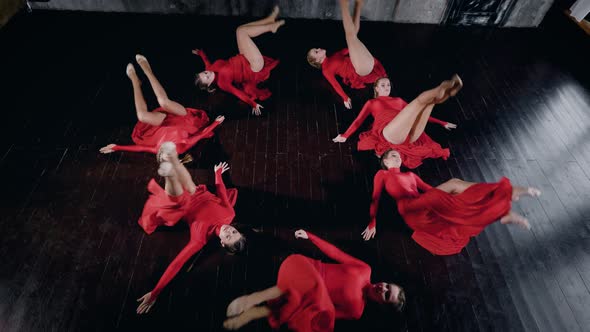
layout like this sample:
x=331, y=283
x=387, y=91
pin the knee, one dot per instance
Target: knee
x=143, y=118
x=240, y=31
x=455, y=181
x=164, y=103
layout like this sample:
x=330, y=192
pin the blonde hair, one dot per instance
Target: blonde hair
x=375, y=85
x=312, y=61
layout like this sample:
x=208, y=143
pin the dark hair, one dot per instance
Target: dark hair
x=202, y=85
x=375, y=85
x=382, y=159
x=238, y=246
x=401, y=300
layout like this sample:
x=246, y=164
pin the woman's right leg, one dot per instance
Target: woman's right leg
x=362, y=60
x=243, y=303
x=173, y=186
x=246, y=317
x=168, y=105
x=418, y=110
x=151, y=118
x=167, y=153
x=247, y=47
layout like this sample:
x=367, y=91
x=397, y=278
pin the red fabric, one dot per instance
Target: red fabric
x=185, y=131
x=442, y=223
x=383, y=110
x=236, y=71
x=339, y=64
x=304, y=282
x=204, y=212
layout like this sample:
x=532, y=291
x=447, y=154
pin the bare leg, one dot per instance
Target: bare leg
x=358, y=5
x=173, y=186
x=167, y=104
x=155, y=118
x=243, y=303
x=246, y=45
x=362, y=60
x=251, y=314
x=526, y=191
x=516, y=219
x=455, y=186
x=167, y=154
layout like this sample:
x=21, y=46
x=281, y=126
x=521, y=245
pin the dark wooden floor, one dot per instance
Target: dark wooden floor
x=72, y=257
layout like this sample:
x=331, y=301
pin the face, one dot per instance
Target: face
x=229, y=235
x=317, y=53
x=206, y=77
x=383, y=87
x=384, y=293
x=392, y=160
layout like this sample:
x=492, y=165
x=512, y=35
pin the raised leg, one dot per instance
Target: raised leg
x=246, y=45
x=358, y=5
x=168, y=105
x=455, y=186
x=167, y=154
x=251, y=314
x=362, y=60
x=155, y=118
x=243, y=303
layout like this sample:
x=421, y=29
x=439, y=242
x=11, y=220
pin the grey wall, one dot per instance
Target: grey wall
x=525, y=13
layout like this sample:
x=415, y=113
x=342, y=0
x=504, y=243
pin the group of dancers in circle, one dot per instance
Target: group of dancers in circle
x=310, y=295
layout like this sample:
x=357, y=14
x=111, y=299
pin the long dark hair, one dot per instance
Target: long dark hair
x=382, y=159
x=240, y=245
x=203, y=86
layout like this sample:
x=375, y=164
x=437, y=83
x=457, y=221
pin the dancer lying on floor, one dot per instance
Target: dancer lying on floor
x=170, y=122
x=444, y=218
x=207, y=215
x=247, y=69
x=354, y=64
x=400, y=126
x=311, y=295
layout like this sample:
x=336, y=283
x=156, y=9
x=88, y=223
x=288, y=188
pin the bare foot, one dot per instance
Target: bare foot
x=516, y=219
x=238, y=306
x=527, y=191
x=273, y=15
x=448, y=89
x=143, y=63
x=277, y=25
x=235, y=323
x=167, y=152
x=457, y=85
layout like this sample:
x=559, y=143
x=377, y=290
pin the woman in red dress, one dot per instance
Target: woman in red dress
x=247, y=69
x=354, y=64
x=446, y=217
x=207, y=215
x=400, y=126
x=311, y=295
x=170, y=122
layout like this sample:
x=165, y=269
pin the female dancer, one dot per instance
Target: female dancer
x=400, y=126
x=170, y=122
x=208, y=215
x=444, y=218
x=311, y=295
x=248, y=69
x=355, y=64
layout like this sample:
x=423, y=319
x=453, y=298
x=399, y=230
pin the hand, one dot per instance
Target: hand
x=223, y=166
x=108, y=148
x=450, y=126
x=146, y=303
x=257, y=110
x=369, y=233
x=220, y=118
x=301, y=234
x=348, y=103
x=339, y=139
x=196, y=51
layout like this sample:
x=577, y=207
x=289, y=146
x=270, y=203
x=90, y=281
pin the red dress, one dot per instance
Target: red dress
x=316, y=293
x=442, y=223
x=236, y=70
x=383, y=110
x=339, y=64
x=184, y=130
x=204, y=212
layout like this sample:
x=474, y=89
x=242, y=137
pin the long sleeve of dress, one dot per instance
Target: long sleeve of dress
x=331, y=77
x=226, y=85
x=135, y=148
x=205, y=59
x=203, y=134
x=333, y=252
x=354, y=126
x=378, y=184
x=437, y=121
x=196, y=243
x=221, y=190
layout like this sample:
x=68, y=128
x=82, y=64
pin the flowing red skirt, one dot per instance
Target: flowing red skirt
x=249, y=79
x=444, y=223
x=355, y=81
x=174, y=128
x=412, y=154
x=305, y=304
x=161, y=209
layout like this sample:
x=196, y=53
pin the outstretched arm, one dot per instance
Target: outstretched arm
x=131, y=148
x=203, y=57
x=219, y=185
x=378, y=183
x=329, y=249
x=226, y=85
x=329, y=75
x=206, y=132
x=354, y=126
